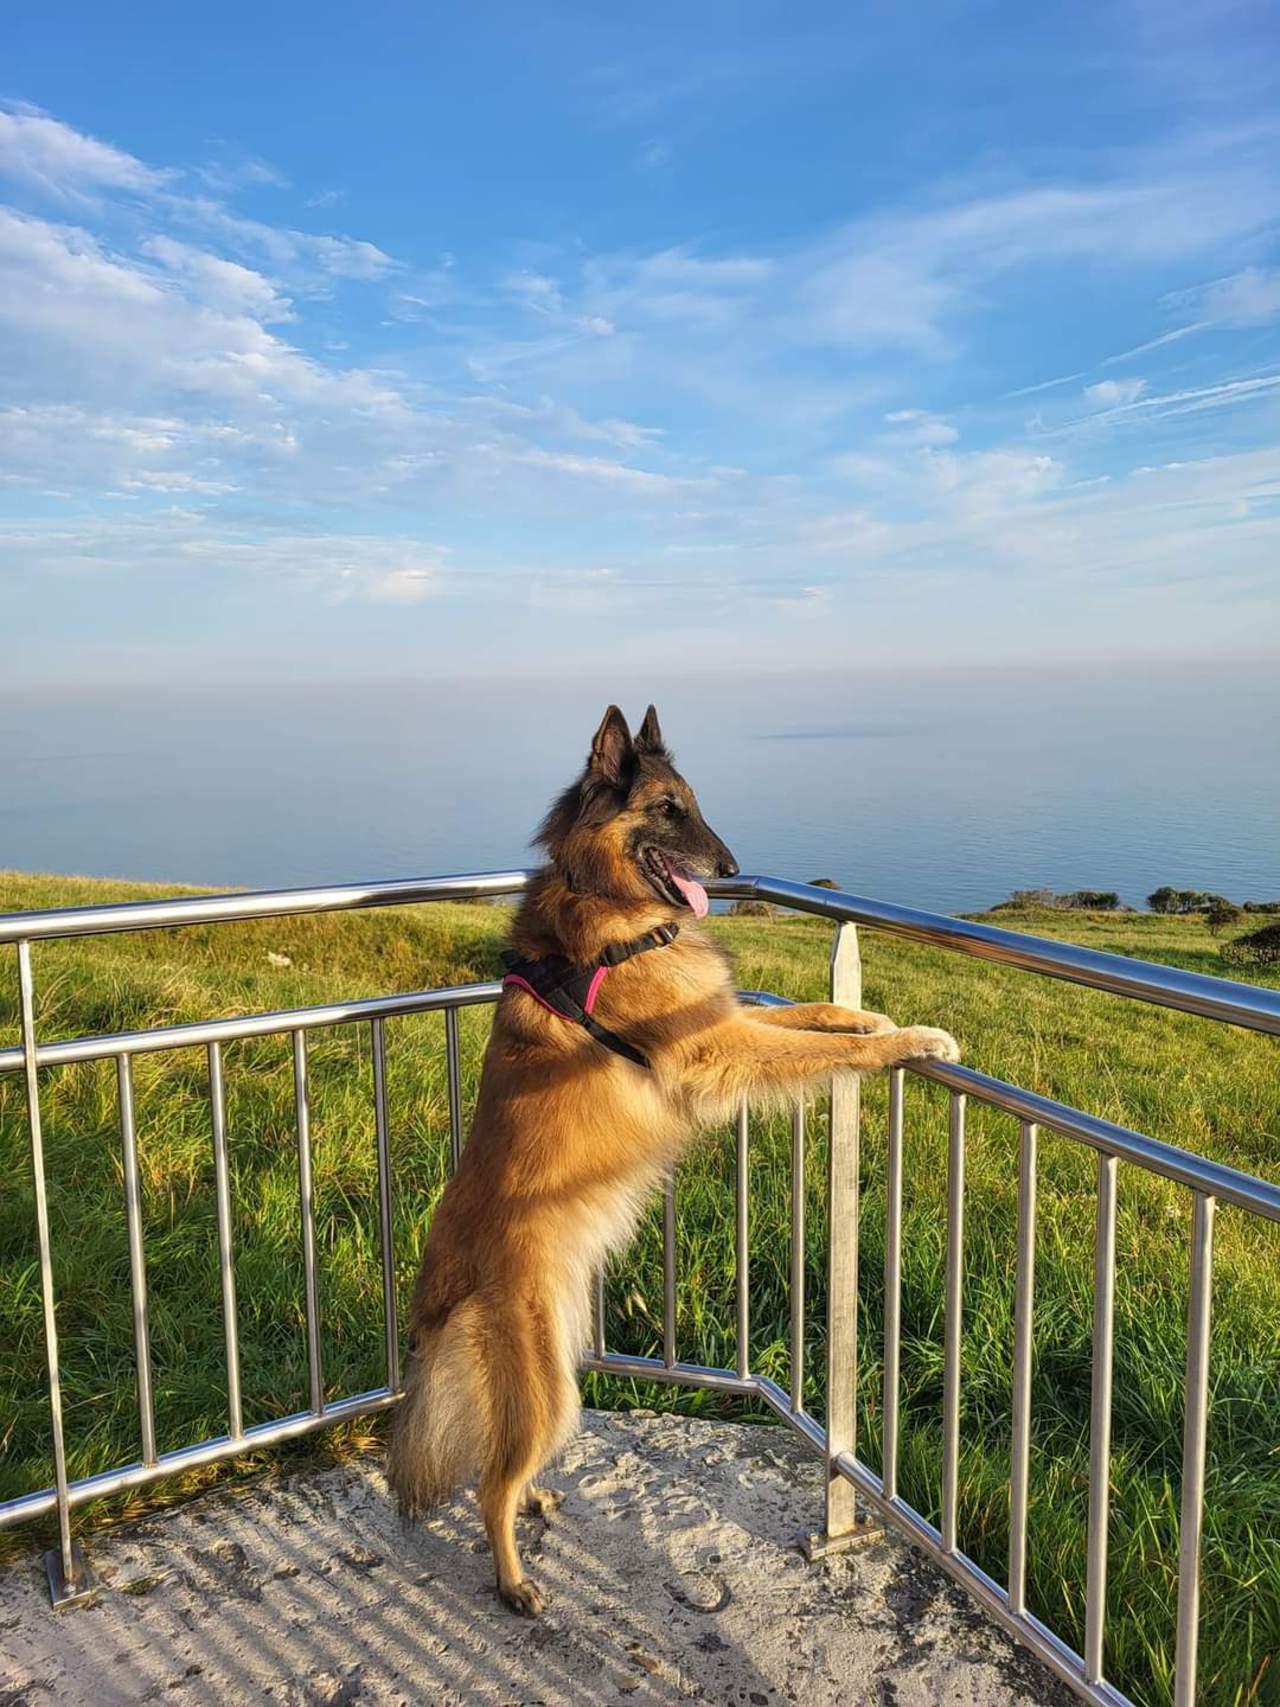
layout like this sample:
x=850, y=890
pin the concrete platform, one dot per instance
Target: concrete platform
x=672, y=1574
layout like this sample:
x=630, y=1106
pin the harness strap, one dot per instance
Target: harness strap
x=570, y=991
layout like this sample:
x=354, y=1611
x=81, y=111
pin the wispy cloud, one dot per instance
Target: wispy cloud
x=1114, y=393
x=692, y=425
x=65, y=164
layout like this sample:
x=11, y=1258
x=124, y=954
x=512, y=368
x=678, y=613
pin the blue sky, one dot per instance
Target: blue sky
x=404, y=340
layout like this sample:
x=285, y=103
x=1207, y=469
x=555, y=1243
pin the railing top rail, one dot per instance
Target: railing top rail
x=1168, y=986
x=253, y=904
x=1258, y=1009
x=1186, y=1167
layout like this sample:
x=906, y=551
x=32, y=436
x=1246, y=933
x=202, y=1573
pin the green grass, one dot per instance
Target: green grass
x=1210, y=1088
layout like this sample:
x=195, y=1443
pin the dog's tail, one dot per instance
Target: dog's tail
x=440, y=1426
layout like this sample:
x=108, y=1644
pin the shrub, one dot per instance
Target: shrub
x=1259, y=948
x=1262, y=906
x=1168, y=900
x=751, y=910
x=1222, y=913
x=823, y=883
x=1095, y=900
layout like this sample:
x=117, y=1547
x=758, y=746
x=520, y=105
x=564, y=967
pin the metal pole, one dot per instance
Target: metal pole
x=385, y=1224
x=741, y=1229
x=1023, y=1323
x=1104, y=1290
x=669, y=1273
x=69, y=1578
x=307, y=1200
x=137, y=1259
x=797, y=1257
x=892, y=1286
x=954, y=1325
x=454, y=1065
x=1195, y=1431
x=226, y=1255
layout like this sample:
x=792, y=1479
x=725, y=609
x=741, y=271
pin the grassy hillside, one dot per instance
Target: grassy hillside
x=1210, y=1088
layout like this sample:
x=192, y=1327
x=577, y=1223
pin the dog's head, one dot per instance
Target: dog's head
x=630, y=827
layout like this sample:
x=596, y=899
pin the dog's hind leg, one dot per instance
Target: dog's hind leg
x=533, y=1405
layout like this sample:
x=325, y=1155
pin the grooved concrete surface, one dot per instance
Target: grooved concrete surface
x=671, y=1573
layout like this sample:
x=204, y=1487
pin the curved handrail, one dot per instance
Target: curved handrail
x=1168, y=986
x=1258, y=1009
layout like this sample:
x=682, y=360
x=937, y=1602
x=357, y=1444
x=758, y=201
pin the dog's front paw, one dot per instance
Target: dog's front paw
x=872, y=1025
x=927, y=1043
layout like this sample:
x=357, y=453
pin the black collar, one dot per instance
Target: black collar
x=571, y=991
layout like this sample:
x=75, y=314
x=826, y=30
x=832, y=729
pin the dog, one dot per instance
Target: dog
x=617, y=1036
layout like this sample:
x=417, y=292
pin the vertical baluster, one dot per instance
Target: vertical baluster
x=892, y=1285
x=307, y=1198
x=597, y=1315
x=1023, y=1322
x=226, y=1256
x=954, y=1324
x=1104, y=1293
x=454, y=1064
x=386, y=1236
x=797, y=1257
x=137, y=1258
x=69, y=1578
x=669, y=1273
x=1194, y=1436
x=741, y=1231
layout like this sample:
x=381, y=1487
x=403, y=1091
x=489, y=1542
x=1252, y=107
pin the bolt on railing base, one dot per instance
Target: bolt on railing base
x=64, y=1594
x=824, y=1546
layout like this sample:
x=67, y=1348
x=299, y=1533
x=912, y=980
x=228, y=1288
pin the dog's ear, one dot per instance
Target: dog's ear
x=649, y=740
x=611, y=749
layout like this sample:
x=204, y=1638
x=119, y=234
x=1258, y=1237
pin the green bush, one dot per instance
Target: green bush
x=1259, y=948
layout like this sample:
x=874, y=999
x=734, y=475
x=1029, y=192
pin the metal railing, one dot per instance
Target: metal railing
x=1209, y=1182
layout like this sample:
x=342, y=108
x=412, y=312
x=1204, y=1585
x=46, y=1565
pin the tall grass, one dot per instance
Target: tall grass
x=1210, y=1088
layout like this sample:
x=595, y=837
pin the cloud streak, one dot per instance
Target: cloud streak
x=685, y=427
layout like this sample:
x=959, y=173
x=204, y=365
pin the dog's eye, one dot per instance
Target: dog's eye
x=671, y=808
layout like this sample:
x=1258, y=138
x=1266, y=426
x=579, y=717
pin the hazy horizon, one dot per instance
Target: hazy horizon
x=940, y=789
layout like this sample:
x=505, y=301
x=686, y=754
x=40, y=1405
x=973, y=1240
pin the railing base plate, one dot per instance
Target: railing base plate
x=63, y=1594
x=824, y=1546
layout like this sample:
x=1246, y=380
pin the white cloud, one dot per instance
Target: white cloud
x=226, y=176
x=331, y=256
x=1244, y=299
x=62, y=162
x=219, y=282
x=1112, y=393
x=161, y=370
x=408, y=585
x=1121, y=403
x=920, y=427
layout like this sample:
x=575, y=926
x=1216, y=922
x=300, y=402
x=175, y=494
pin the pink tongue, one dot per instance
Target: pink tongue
x=695, y=895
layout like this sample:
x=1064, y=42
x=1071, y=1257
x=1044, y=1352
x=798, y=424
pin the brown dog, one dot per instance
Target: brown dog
x=616, y=1039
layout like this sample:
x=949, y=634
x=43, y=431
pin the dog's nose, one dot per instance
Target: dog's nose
x=728, y=866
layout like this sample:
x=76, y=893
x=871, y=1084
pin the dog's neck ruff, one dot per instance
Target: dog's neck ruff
x=570, y=991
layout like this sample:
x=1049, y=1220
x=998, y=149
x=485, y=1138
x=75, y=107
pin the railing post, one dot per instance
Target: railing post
x=842, y=1528
x=70, y=1580
x=1195, y=1431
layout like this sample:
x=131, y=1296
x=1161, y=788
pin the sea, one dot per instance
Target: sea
x=942, y=789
